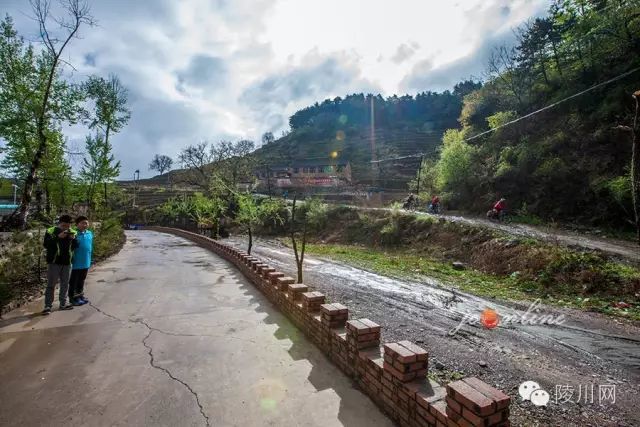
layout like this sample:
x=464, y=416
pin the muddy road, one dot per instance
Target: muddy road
x=586, y=349
x=621, y=249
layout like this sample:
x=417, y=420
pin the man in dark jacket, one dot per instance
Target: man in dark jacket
x=59, y=241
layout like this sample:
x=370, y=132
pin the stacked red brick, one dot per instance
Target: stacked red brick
x=362, y=333
x=405, y=361
x=472, y=402
x=334, y=315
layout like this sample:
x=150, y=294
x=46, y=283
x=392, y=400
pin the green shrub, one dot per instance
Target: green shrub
x=108, y=238
x=22, y=265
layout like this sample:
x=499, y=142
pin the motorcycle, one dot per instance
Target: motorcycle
x=410, y=205
x=494, y=215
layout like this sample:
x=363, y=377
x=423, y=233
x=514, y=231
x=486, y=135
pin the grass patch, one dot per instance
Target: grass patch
x=403, y=265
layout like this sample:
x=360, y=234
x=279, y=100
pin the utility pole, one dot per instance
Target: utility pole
x=135, y=185
x=268, y=179
x=374, y=157
x=418, y=186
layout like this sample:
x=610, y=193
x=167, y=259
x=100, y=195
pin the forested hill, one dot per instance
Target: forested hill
x=403, y=125
x=569, y=162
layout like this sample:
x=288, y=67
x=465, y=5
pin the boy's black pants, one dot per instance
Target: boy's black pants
x=76, y=283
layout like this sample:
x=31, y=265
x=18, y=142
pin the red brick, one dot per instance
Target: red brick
x=356, y=327
x=421, y=354
x=439, y=410
x=373, y=326
x=403, y=377
x=498, y=417
x=424, y=413
x=477, y=402
x=453, y=405
x=417, y=366
x=400, y=353
x=273, y=276
x=453, y=415
x=427, y=392
x=474, y=419
x=501, y=400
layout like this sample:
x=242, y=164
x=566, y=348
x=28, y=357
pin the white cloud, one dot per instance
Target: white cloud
x=214, y=69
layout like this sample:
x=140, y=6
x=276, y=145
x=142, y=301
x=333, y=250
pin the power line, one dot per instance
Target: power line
x=619, y=77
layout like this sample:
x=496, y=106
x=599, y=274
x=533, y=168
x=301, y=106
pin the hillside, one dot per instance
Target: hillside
x=403, y=126
x=569, y=162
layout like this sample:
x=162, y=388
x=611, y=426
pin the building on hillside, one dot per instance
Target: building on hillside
x=311, y=174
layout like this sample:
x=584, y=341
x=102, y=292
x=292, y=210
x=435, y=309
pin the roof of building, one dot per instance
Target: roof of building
x=306, y=164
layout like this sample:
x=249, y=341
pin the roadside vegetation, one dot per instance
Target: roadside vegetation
x=23, y=265
x=479, y=261
x=40, y=99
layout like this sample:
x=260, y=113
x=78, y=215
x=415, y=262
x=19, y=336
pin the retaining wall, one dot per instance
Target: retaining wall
x=392, y=375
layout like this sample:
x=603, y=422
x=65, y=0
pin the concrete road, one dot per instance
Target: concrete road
x=175, y=336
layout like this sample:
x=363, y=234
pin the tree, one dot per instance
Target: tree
x=248, y=216
x=23, y=79
x=226, y=161
x=251, y=213
x=161, y=163
x=267, y=138
x=77, y=12
x=99, y=165
x=111, y=113
x=635, y=162
x=310, y=218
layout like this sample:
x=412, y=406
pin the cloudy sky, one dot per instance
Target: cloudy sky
x=228, y=69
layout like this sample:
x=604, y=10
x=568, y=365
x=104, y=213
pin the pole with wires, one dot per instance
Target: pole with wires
x=418, y=185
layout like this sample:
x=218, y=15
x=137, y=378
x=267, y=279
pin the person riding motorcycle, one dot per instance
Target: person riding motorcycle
x=409, y=202
x=434, y=207
x=499, y=210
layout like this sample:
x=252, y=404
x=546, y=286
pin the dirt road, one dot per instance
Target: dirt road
x=587, y=349
x=622, y=249
x=175, y=336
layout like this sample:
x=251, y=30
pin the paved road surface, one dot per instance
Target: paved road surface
x=176, y=337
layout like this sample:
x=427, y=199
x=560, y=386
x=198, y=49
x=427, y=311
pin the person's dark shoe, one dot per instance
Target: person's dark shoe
x=46, y=311
x=66, y=307
x=77, y=301
x=84, y=300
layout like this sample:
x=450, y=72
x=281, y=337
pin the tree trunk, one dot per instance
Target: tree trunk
x=299, y=266
x=47, y=195
x=250, y=241
x=106, y=143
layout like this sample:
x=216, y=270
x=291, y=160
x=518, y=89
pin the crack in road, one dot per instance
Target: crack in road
x=152, y=357
x=104, y=313
x=168, y=372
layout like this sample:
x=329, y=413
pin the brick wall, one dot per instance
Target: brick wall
x=393, y=375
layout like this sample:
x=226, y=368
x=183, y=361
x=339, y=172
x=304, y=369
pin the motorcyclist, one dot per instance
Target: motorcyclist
x=409, y=201
x=435, y=204
x=499, y=208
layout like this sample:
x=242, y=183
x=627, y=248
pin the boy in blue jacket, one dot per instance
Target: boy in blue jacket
x=81, y=261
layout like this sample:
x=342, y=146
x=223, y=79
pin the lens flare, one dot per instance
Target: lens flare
x=343, y=119
x=340, y=135
x=489, y=318
x=334, y=154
